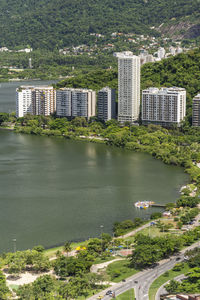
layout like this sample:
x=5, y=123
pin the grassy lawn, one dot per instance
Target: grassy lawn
x=14, y=286
x=120, y=270
x=99, y=260
x=128, y=295
x=156, y=232
x=52, y=251
x=162, y=279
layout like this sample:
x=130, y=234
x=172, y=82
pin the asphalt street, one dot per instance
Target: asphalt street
x=142, y=281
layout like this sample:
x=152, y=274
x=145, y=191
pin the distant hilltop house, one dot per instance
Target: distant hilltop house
x=4, y=49
x=26, y=50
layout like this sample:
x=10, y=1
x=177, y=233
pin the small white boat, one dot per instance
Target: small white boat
x=143, y=204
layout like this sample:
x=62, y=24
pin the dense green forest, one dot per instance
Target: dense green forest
x=182, y=70
x=57, y=23
x=49, y=64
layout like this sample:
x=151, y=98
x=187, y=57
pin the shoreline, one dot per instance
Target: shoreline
x=28, y=79
x=88, y=139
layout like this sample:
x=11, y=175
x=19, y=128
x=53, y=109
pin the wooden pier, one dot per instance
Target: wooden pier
x=158, y=205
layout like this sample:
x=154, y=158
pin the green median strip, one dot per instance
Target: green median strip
x=169, y=275
x=128, y=295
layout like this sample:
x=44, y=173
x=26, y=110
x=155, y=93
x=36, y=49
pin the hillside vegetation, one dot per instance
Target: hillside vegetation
x=58, y=23
x=182, y=70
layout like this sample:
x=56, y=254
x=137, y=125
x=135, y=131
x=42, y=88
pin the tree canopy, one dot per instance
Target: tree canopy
x=57, y=23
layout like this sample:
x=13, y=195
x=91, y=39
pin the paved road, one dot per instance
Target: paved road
x=144, y=279
x=162, y=290
x=134, y=231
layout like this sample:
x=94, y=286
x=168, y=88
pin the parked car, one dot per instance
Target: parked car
x=178, y=258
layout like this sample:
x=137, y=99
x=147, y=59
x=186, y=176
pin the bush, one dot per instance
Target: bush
x=179, y=225
x=166, y=274
x=116, y=273
x=155, y=215
x=178, y=267
x=38, y=248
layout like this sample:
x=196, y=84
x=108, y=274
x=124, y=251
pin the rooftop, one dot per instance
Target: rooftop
x=197, y=97
x=125, y=54
x=163, y=90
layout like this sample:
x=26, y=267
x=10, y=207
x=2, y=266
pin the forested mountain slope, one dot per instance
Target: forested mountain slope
x=58, y=23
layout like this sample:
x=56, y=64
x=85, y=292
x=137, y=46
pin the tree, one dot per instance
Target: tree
x=156, y=215
x=67, y=247
x=173, y=287
x=60, y=266
x=79, y=122
x=169, y=206
x=145, y=255
x=94, y=246
x=43, y=286
x=106, y=239
x=39, y=248
x=4, y=117
x=4, y=290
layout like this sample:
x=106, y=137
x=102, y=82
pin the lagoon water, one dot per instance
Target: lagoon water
x=53, y=190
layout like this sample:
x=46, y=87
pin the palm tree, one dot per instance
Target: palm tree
x=67, y=247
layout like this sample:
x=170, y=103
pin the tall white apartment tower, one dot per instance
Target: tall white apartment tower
x=128, y=87
x=24, y=101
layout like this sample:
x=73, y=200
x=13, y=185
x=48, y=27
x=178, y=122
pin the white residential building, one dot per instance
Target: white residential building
x=75, y=103
x=83, y=103
x=179, y=50
x=128, y=87
x=39, y=100
x=172, y=51
x=165, y=106
x=161, y=53
x=196, y=111
x=106, y=105
x=43, y=100
x=24, y=101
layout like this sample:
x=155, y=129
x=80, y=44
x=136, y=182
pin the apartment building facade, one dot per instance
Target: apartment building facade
x=43, y=100
x=165, y=106
x=196, y=111
x=39, y=100
x=24, y=101
x=76, y=103
x=106, y=105
x=128, y=87
x=64, y=102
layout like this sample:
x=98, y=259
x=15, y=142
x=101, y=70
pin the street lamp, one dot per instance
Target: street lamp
x=14, y=245
x=101, y=228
